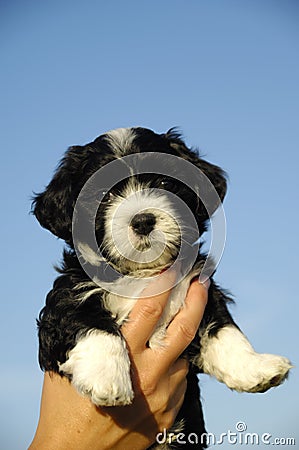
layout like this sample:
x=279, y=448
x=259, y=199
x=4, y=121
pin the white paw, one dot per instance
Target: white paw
x=263, y=371
x=99, y=366
x=232, y=360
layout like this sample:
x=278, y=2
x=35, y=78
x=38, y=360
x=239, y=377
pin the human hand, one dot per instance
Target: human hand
x=69, y=421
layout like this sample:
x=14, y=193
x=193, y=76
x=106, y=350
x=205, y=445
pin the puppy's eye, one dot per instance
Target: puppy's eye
x=167, y=184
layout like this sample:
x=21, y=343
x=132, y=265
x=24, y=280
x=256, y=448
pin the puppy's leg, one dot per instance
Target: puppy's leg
x=99, y=367
x=231, y=359
x=227, y=354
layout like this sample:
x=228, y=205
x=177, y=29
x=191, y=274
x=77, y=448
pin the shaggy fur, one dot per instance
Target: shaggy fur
x=79, y=327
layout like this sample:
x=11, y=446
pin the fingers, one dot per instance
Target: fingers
x=184, y=326
x=147, y=312
x=142, y=321
x=182, y=329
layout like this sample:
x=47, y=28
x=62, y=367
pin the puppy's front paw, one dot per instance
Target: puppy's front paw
x=231, y=359
x=99, y=367
x=108, y=392
x=265, y=371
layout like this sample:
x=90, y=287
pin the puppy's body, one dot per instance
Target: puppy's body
x=79, y=328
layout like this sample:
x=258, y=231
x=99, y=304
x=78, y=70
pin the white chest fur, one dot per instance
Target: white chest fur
x=121, y=307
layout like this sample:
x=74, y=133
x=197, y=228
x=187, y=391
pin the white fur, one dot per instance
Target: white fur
x=99, y=366
x=121, y=140
x=121, y=307
x=132, y=250
x=230, y=358
x=89, y=254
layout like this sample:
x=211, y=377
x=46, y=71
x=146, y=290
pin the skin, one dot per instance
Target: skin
x=70, y=421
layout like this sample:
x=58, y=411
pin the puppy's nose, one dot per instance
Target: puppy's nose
x=143, y=223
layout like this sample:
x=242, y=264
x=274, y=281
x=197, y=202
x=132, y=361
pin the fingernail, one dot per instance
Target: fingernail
x=206, y=283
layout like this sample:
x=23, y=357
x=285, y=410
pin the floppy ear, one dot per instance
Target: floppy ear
x=53, y=208
x=215, y=174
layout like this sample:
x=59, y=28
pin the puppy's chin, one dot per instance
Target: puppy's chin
x=144, y=261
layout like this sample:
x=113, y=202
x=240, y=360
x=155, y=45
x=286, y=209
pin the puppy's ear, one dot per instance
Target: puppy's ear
x=215, y=174
x=54, y=207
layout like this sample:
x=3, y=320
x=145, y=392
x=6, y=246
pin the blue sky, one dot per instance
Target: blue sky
x=226, y=72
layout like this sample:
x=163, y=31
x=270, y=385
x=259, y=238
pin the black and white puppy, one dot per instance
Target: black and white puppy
x=79, y=327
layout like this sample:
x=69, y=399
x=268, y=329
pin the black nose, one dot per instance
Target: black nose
x=143, y=223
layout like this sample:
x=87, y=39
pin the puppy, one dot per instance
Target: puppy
x=123, y=227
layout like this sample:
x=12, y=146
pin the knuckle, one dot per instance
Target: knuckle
x=187, y=329
x=149, y=388
x=151, y=310
x=181, y=366
x=184, y=382
x=184, y=363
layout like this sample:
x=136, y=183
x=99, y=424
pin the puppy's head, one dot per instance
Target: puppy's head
x=141, y=221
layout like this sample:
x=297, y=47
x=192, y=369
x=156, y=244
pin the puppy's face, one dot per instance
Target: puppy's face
x=142, y=220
